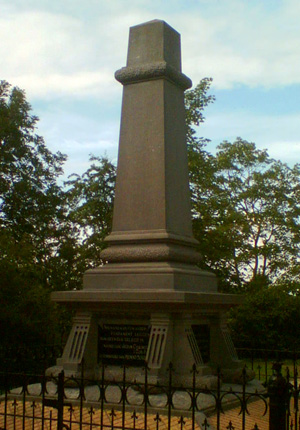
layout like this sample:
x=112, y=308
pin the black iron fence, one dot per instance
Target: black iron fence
x=31, y=402
x=29, y=358
x=261, y=361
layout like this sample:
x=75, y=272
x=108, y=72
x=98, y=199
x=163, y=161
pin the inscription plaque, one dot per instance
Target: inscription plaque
x=202, y=336
x=123, y=344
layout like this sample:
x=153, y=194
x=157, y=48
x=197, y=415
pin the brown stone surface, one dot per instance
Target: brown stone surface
x=148, y=300
x=151, y=245
x=151, y=279
x=149, y=276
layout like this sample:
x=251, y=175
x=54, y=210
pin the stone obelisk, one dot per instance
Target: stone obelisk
x=150, y=288
x=151, y=245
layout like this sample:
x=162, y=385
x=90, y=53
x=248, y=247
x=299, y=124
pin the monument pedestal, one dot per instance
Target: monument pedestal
x=150, y=302
x=130, y=327
x=152, y=276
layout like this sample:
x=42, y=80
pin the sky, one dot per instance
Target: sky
x=64, y=55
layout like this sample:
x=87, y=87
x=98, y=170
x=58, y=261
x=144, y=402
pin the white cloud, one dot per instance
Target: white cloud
x=39, y=41
x=71, y=49
x=235, y=42
x=55, y=85
x=285, y=150
x=54, y=55
x=243, y=44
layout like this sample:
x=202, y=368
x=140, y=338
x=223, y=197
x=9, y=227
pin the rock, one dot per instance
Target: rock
x=209, y=382
x=236, y=376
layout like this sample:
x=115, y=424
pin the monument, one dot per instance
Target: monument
x=149, y=301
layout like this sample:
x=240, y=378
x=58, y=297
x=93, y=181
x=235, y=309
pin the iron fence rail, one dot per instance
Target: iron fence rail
x=261, y=361
x=47, y=402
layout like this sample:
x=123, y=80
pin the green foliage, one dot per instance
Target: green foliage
x=33, y=226
x=90, y=199
x=245, y=208
x=29, y=322
x=268, y=319
x=31, y=202
x=248, y=216
x=196, y=100
x=28, y=169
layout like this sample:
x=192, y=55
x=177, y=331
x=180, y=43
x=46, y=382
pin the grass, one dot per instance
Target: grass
x=263, y=368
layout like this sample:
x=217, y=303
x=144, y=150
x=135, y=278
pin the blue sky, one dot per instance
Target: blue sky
x=64, y=54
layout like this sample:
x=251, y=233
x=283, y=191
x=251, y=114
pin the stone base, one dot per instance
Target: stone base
x=150, y=276
x=182, y=328
x=146, y=301
x=204, y=378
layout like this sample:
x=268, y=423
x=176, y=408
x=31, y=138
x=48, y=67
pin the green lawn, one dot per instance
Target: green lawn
x=263, y=369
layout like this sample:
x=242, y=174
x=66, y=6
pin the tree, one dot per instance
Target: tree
x=196, y=100
x=90, y=200
x=33, y=226
x=248, y=216
x=245, y=209
x=268, y=319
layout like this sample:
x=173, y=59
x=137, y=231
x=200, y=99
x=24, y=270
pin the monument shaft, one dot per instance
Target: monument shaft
x=152, y=193
x=152, y=213
x=151, y=245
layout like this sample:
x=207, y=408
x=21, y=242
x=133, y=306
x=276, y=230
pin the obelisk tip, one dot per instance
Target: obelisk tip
x=154, y=41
